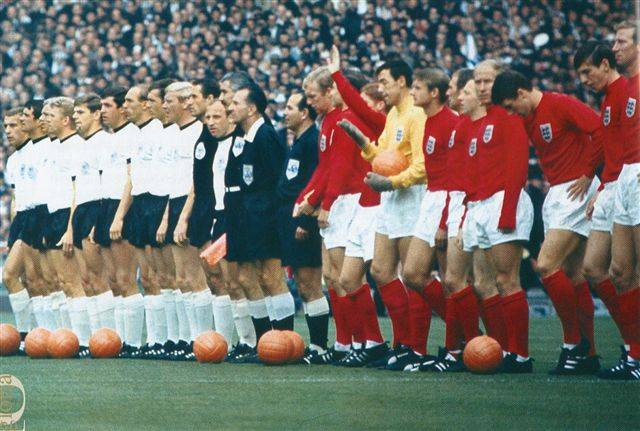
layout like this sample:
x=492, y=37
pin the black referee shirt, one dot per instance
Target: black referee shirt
x=300, y=164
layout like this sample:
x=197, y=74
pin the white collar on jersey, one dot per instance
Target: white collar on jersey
x=251, y=133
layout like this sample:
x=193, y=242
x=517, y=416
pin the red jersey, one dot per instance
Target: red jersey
x=317, y=182
x=347, y=169
x=612, y=112
x=457, y=155
x=503, y=161
x=352, y=98
x=632, y=122
x=568, y=137
x=466, y=139
x=437, y=131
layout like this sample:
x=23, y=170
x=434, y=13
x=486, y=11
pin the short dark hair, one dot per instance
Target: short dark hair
x=355, y=77
x=464, y=75
x=507, y=84
x=238, y=80
x=594, y=52
x=14, y=111
x=91, y=101
x=161, y=85
x=118, y=92
x=209, y=87
x=35, y=105
x=397, y=68
x=256, y=96
x=303, y=104
x=434, y=78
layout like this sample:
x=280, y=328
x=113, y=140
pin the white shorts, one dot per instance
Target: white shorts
x=560, y=212
x=469, y=234
x=627, y=199
x=602, y=218
x=487, y=216
x=398, y=211
x=362, y=233
x=430, y=216
x=455, y=212
x=340, y=216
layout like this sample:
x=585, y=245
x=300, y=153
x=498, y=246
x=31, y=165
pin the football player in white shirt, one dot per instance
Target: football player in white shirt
x=48, y=296
x=59, y=233
x=116, y=186
x=190, y=277
x=13, y=273
x=88, y=195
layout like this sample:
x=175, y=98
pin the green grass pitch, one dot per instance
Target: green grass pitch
x=159, y=395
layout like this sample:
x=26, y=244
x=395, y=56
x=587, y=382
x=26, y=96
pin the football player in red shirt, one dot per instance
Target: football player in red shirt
x=568, y=139
x=596, y=66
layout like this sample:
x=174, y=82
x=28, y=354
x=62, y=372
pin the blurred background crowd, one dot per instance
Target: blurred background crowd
x=52, y=47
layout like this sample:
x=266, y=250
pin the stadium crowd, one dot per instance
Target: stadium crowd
x=62, y=47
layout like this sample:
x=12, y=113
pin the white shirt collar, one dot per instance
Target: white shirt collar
x=251, y=133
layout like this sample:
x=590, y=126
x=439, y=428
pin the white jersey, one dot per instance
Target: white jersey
x=87, y=166
x=17, y=174
x=38, y=153
x=162, y=163
x=220, y=159
x=47, y=153
x=182, y=178
x=63, y=156
x=115, y=157
x=142, y=158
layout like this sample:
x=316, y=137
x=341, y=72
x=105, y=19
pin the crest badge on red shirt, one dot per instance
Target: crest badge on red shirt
x=452, y=139
x=606, y=116
x=488, y=133
x=431, y=144
x=631, y=107
x=546, y=132
x=473, y=146
x=323, y=143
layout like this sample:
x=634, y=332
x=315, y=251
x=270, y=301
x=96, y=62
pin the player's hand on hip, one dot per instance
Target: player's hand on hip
x=323, y=219
x=301, y=234
x=115, y=231
x=378, y=182
x=590, y=205
x=579, y=188
x=360, y=139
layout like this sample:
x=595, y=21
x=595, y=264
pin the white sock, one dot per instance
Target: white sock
x=57, y=300
x=47, y=313
x=191, y=315
x=21, y=307
x=223, y=316
x=148, y=318
x=159, y=318
x=106, y=304
x=283, y=305
x=118, y=315
x=37, y=308
x=133, y=319
x=202, y=311
x=243, y=322
x=79, y=318
x=317, y=307
x=270, y=311
x=64, y=314
x=169, y=301
x=258, y=309
x=92, y=310
x=183, y=321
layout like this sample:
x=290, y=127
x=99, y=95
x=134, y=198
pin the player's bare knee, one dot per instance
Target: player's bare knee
x=546, y=267
x=381, y=275
x=507, y=283
x=414, y=277
x=621, y=275
x=594, y=273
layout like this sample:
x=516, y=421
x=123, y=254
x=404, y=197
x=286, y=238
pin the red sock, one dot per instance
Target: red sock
x=630, y=319
x=516, y=312
x=343, y=332
x=585, y=314
x=354, y=319
x=561, y=291
x=466, y=306
x=363, y=301
x=420, y=320
x=493, y=319
x=394, y=296
x=433, y=293
x=606, y=291
x=454, y=336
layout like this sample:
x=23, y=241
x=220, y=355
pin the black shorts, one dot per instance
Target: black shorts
x=251, y=227
x=153, y=211
x=108, y=209
x=19, y=229
x=297, y=254
x=143, y=219
x=175, y=208
x=85, y=218
x=219, y=227
x=200, y=222
x=37, y=224
x=57, y=224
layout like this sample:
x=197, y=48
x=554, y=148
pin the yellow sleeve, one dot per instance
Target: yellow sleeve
x=372, y=150
x=415, y=173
